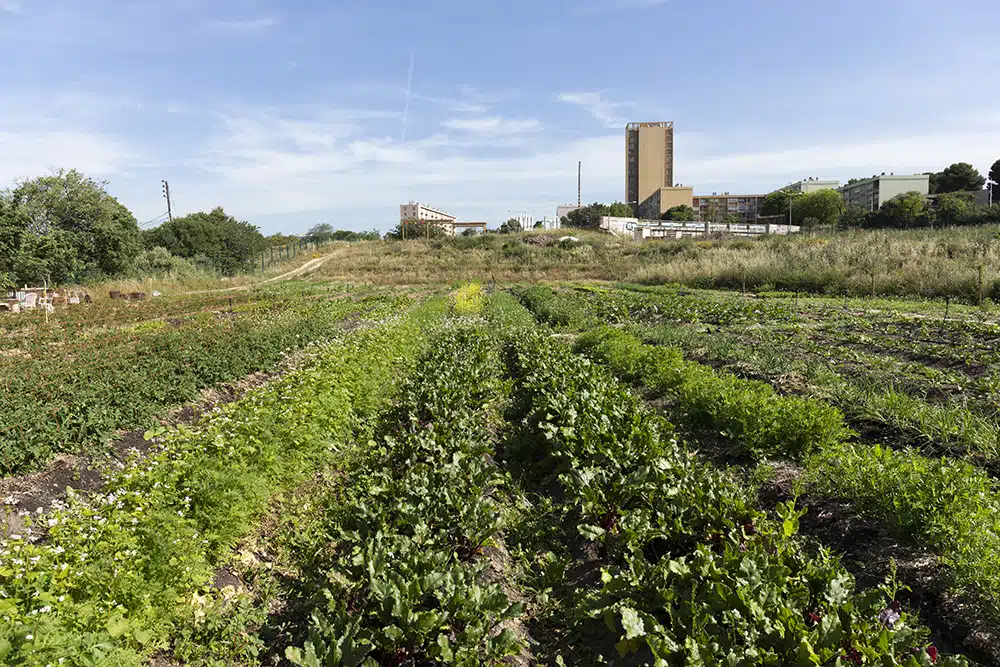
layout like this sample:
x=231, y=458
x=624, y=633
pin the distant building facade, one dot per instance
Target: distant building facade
x=645, y=230
x=549, y=223
x=871, y=193
x=649, y=160
x=416, y=212
x=564, y=210
x=664, y=199
x=811, y=185
x=715, y=207
x=526, y=220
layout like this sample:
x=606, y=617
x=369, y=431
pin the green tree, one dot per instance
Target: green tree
x=47, y=259
x=824, y=206
x=321, y=233
x=776, y=203
x=955, y=208
x=679, y=213
x=905, y=211
x=512, y=226
x=102, y=233
x=959, y=177
x=416, y=230
x=853, y=217
x=620, y=210
x=229, y=243
x=733, y=219
x=589, y=217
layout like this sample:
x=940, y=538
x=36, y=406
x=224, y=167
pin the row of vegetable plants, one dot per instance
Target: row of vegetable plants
x=691, y=572
x=751, y=414
x=588, y=305
x=32, y=332
x=404, y=562
x=61, y=404
x=108, y=578
x=947, y=504
x=867, y=396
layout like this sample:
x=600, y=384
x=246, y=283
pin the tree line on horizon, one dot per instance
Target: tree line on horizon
x=953, y=203
x=66, y=228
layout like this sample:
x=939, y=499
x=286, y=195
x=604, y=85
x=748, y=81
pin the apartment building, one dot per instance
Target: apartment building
x=416, y=212
x=715, y=207
x=871, y=193
x=649, y=160
x=664, y=199
x=811, y=185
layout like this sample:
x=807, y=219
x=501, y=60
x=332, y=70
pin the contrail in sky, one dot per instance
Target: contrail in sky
x=409, y=87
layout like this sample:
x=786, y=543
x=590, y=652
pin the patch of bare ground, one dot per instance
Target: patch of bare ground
x=497, y=571
x=868, y=548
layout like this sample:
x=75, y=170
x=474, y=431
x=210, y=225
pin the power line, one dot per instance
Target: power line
x=155, y=220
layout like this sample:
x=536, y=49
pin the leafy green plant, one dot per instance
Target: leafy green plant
x=750, y=414
x=693, y=573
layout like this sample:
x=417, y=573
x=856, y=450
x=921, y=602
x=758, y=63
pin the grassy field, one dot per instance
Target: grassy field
x=963, y=264
x=427, y=456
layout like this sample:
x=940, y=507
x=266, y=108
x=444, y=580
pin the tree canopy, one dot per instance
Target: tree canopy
x=959, y=177
x=853, y=217
x=904, y=211
x=954, y=208
x=822, y=208
x=512, y=226
x=321, y=233
x=679, y=213
x=229, y=243
x=64, y=227
x=776, y=203
x=589, y=217
x=416, y=230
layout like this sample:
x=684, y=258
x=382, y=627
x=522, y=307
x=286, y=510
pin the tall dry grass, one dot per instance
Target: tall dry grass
x=963, y=263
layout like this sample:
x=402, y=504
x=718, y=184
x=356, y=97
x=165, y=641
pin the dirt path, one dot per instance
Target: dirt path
x=309, y=266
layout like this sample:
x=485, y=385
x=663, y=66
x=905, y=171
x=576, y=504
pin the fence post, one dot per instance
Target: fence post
x=947, y=306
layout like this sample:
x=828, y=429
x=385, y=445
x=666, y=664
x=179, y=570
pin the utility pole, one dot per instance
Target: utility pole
x=166, y=193
x=579, y=184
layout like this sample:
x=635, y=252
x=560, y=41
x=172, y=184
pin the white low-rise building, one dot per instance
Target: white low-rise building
x=417, y=212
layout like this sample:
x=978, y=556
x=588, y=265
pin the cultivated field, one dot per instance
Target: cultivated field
x=571, y=473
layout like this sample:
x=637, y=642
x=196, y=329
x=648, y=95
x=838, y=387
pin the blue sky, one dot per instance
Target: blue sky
x=293, y=112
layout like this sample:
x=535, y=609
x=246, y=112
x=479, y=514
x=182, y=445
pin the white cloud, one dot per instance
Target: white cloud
x=492, y=125
x=858, y=157
x=606, y=112
x=246, y=26
x=30, y=153
x=10, y=6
